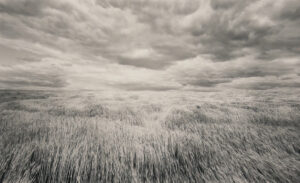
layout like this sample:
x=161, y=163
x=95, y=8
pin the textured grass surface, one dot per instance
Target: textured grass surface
x=149, y=137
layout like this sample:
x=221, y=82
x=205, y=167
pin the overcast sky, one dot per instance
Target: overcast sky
x=150, y=44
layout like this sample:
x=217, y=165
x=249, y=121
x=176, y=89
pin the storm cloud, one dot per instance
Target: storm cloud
x=149, y=44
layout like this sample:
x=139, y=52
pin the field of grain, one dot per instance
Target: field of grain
x=98, y=136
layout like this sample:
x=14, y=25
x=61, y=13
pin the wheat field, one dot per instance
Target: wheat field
x=98, y=136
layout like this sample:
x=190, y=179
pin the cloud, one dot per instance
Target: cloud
x=16, y=56
x=22, y=77
x=22, y=7
x=201, y=71
x=176, y=43
x=144, y=87
x=245, y=24
x=206, y=82
x=265, y=83
x=44, y=81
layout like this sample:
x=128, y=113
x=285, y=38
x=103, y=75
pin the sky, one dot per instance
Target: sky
x=154, y=45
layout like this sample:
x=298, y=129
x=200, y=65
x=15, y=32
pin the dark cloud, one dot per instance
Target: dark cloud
x=147, y=8
x=144, y=87
x=290, y=11
x=150, y=63
x=22, y=7
x=267, y=85
x=234, y=25
x=207, y=82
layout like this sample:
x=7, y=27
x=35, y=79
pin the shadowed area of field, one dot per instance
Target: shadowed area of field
x=69, y=136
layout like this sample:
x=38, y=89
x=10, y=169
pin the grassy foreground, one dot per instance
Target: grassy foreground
x=149, y=136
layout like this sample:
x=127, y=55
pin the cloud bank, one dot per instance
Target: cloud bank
x=149, y=44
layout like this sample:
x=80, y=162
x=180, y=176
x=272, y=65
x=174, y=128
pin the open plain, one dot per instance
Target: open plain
x=97, y=136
